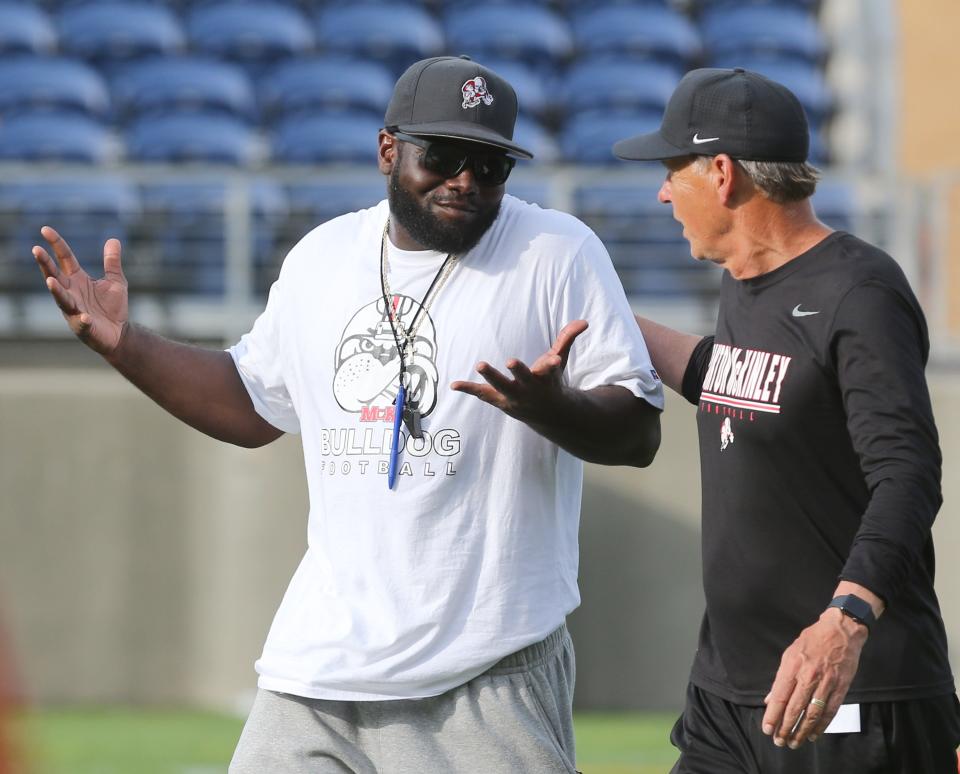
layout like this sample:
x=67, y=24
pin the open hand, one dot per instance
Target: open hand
x=95, y=310
x=529, y=395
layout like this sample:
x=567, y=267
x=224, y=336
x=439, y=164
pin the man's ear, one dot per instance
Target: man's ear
x=726, y=177
x=388, y=151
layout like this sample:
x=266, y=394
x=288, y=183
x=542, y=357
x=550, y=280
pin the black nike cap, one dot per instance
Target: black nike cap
x=737, y=112
x=455, y=97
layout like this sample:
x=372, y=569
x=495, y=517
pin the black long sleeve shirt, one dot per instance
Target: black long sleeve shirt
x=820, y=461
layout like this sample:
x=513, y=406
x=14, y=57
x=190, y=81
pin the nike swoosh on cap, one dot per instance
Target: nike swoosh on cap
x=698, y=140
x=797, y=313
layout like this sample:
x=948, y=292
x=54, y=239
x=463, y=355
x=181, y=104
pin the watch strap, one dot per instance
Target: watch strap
x=856, y=608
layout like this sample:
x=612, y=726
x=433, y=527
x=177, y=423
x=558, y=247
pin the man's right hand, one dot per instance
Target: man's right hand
x=95, y=310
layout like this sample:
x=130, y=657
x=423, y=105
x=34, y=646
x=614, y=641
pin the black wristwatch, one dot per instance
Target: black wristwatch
x=858, y=609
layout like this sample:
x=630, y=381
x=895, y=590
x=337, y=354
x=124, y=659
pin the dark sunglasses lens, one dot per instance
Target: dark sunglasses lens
x=445, y=160
x=492, y=170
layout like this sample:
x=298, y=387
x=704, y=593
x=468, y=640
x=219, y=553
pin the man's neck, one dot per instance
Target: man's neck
x=767, y=236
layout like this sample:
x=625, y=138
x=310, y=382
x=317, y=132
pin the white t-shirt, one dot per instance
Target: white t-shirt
x=409, y=592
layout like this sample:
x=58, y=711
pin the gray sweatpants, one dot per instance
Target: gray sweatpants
x=515, y=718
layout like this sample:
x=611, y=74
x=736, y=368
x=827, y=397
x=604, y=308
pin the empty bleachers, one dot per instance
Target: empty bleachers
x=268, y=88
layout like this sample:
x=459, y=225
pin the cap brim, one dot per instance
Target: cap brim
x=648, y=147
x=457, y=130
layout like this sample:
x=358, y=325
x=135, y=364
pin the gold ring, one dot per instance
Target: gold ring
x=818, y=703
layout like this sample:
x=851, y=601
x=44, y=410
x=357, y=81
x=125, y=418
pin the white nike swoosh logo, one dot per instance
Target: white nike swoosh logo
x=798, y=313
x=698, y=141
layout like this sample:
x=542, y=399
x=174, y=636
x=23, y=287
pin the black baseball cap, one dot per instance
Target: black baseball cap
x=451, y=96
x=737, y=112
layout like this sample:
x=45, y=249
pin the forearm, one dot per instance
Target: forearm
x=607, y=425
x=669, y=350
x=199, y=386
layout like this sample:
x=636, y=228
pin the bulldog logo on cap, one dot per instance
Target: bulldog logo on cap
x=475, y=92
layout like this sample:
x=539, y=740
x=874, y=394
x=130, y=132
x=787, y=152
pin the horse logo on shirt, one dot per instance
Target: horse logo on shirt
x=367, y=360
x=726, y=433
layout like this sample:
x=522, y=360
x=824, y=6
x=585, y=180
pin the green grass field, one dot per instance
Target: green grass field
x=113, y=741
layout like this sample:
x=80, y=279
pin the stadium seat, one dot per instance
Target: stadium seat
x=645, y=242
x=169, y=84
x=605, y=83
x=802, y=78
x=185, y=222
x=766, y=30
x=532, y=136
x=588, y=138
x=255, y=34
x=396, y=35
x=193, y=136
x=835, y=203
x=329, y=83
x=638, y=31
x=326, y=138
x=32, y=82
x=55, y=136
x=24, y=28
x=110, y=32
x=710, y=5
x=526, y=32
x=90, y=210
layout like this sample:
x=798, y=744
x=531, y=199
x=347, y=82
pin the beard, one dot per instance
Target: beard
x=429, y=230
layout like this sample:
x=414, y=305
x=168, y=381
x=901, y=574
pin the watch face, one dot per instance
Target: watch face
x=856, y=608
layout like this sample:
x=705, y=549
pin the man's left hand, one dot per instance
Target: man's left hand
x=532, y=392
x=820, y=664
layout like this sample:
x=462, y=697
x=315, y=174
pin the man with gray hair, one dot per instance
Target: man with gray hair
x=819, y=460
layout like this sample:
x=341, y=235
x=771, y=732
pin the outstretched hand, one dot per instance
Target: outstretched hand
x=528, y=396
x=95, y=310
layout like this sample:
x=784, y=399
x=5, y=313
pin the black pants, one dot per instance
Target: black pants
x=919, y=736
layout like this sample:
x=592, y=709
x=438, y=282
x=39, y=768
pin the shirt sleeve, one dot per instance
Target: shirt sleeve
x=879, y=348
x=612, y=350
x=259, y=358
x=696, y=371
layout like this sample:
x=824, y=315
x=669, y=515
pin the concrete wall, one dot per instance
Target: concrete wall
x=142, y=562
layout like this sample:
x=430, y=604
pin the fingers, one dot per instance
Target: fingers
x=566, y=337
x=497, y=380
x=62, y=296
x=484, y=392
x=48, y=267
x=112, y=267
x=65, y=257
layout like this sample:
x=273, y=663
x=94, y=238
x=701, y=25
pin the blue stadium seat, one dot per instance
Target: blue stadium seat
x=835, y=203
x=87, y=211
x=396, y=35
x=325, y=83
x=111, y=32
x=526, y=32
x=532, y=136
x=31, y=82
x=645, y=243
x=710, y=5
x=605, y=83
x=326, y=138
x=193, y=136
x=766, y=30
x=55, y=136
x=638, y=31
x=531, y=86
x=24, y=28
x=588, y=138
x=186, y=223
x=802, y=78
x=170, y=84
x=253, y=33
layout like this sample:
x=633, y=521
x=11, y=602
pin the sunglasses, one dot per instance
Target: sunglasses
x=449, y=160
